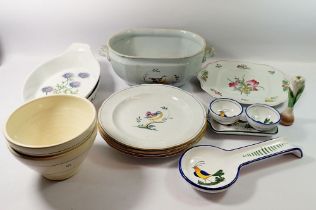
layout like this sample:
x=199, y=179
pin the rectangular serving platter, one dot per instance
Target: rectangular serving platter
x=239, y=128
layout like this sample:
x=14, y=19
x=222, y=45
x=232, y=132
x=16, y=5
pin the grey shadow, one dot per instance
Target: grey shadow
x=216, y=139
x=103, y=182
x=105, y=150
x=211, y=135
x=193, y=85
x=298, y=131
x=221, y=53
x=243, y=189
x=1, y=52
x=107, y=85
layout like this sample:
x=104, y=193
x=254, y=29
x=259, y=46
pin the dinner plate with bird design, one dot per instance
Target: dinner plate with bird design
x=152, y=117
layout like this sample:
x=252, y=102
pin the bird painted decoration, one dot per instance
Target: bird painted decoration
x=159, y=80
x=208, y=178
x=222, y=114
x=152, y=118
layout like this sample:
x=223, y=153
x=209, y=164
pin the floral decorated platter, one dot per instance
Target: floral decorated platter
x=245, y=82
x=152, y=117
x=74, y=72
x=239, y=128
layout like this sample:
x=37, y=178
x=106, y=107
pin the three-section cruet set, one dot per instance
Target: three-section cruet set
x=54, y=129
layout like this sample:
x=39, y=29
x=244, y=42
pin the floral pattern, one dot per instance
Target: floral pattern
x=244, y=86
x=218, y=65
x=242, y=126
x=285, y=85
x=47, y=89
x=150, y=119
x=296, y=90
x=247, y=83
x=271, y=99
x=69, y=84
x=242, y=66
x=267, y=121
x=204, y=75
x=68, y=75
x=83, y=75
x=74, y=84
x=265, y=150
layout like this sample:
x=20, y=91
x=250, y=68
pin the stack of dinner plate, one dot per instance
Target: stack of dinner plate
x=152, y=120
x=74, y=72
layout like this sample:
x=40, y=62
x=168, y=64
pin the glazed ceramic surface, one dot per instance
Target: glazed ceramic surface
x=245, y=82
x=225, y=111
x=75, y=72
x=213, y=169
x=93, y=94
x=152, y=117
x=295, y=91
x=50, y=125
x=163, y=56
x=239, y=128
x=146, y=153
x=61, y=166
x=262, y=117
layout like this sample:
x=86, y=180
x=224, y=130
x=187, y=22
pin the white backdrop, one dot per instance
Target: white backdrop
x=283, y=30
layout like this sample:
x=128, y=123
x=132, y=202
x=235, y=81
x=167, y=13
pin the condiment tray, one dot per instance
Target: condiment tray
x=239, y=128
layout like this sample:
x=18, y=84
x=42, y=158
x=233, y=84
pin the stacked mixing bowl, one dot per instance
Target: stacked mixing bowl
x=53, y=134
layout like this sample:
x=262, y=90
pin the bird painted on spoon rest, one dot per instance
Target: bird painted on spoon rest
x=204, y=175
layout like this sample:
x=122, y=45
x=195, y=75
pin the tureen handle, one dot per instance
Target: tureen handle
x=209, y=52
x=104, y=51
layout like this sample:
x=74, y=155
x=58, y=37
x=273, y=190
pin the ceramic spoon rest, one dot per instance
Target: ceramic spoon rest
x=213, y=169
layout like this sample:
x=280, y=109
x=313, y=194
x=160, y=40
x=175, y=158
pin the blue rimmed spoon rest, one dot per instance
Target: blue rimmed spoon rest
x=212, y=169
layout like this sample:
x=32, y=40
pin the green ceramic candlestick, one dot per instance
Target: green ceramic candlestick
x=294, y=93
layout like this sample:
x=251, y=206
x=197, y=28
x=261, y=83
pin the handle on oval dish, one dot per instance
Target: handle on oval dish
x=209, y=52
x=80, y=47
x=267, y=149
x=104, y=51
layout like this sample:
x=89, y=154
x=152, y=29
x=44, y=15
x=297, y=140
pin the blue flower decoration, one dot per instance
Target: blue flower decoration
x=83, y=75
x=68, y=75
x=74, y=84
x=47, y=89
